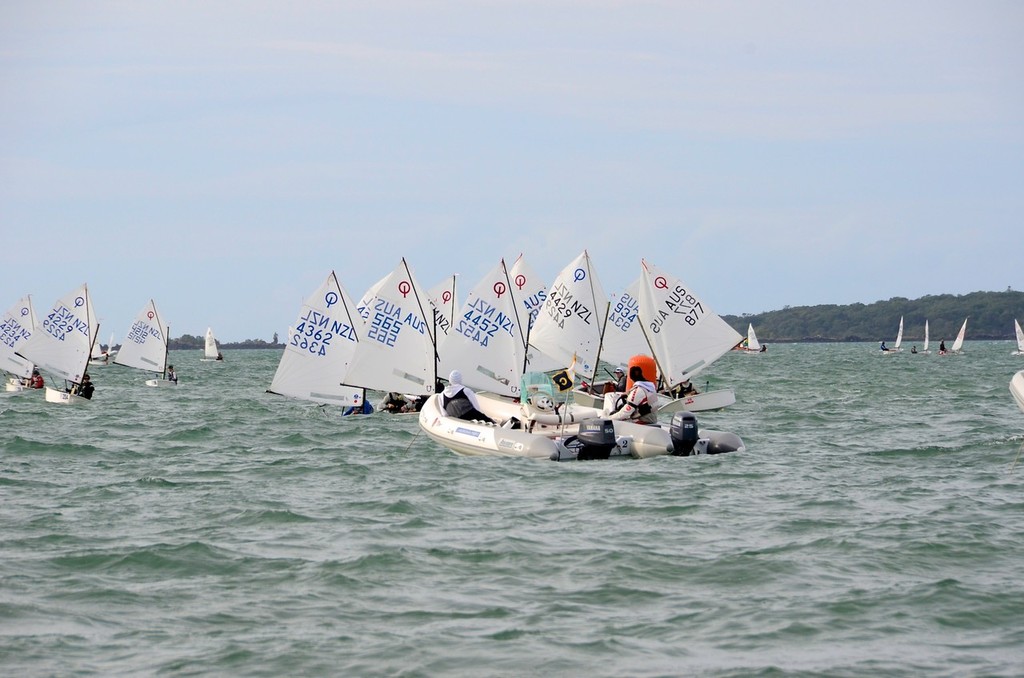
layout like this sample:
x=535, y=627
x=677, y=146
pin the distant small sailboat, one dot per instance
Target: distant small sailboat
x=145, y=345
x=211, y=352
x=1020, y=338
x=924, y=349
x=1017, y=389
x=958, y=344
x=896, y=348
x=751, y=344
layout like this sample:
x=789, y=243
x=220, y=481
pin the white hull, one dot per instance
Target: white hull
x=14, y=385
x=481, y=439
x=1017, y=389
x=699, y=402
x=63, y=397
x=160, y=383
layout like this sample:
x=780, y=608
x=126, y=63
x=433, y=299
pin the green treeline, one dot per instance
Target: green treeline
x=990, y=315
x=189, y=341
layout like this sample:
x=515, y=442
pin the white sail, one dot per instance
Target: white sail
x=16, y=327
x=752, y=343
x=530, y=291
x=958, y=343
x=396, y=351
x=320, y=348
x=684, y=333
x=145, y=345
x=62, y=342
x=210, y=351
x=1020, y=337
x=899, y=336
x=623, y=337
x=363, y=305
x=446, y=304
x=486, y=343
x=571, y=321
x=924, y=349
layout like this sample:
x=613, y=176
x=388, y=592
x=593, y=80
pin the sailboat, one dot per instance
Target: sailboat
x=16, y=327
x=101, y=356
x=924, y=348
x=571, y=321
x=1020, y=337
x=958, y=344
x=63, y=343
x=750, y=344
x=896, y=348
x=320, y=349
x=397, y=349
x=145, y=345
x=211, y=352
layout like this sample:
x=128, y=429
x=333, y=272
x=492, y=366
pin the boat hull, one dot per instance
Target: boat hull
x=160, y=383
x=481, y=439
x=1017, y=389
x=698, y=402
x=63, y=397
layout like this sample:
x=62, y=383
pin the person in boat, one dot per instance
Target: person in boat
x=913, y=349
x=34, y=381
x=220, y=356
x=764, y=348
x=942, y=346
x=172, y=376
x=365, y=408
x=883, y=347
x=620, y=380
x=684, y=389
x=460, y=401
x=396, y=402
x=641, y=403
x=84, y=389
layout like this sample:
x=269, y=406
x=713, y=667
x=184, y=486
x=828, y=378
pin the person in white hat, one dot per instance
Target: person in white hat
x=460, y=402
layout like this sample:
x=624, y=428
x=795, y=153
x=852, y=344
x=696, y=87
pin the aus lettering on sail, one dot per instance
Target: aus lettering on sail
x=561, y=304
x=482, y=321
x=387, y=321
x=678, y=302
x=62, y=321
x=623, y=314
x=316, y=330
x=140, y=331
x=534, y=303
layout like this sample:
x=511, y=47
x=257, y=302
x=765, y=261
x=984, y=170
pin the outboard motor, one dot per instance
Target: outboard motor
x=684, y=433
x=596, y=439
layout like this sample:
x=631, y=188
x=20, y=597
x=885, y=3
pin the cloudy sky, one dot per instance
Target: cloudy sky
x=223, y=157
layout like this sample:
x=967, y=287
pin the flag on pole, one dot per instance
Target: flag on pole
x=565, y=379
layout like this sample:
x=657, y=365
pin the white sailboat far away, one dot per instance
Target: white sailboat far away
x=924, y=348
x=685, y=337
x=145, y=345
x=958, y=344
x=1019, y=333
x=750, y=345
x=63, y=343
x=211, y=352
x=16, y=327
x=320, y=348
x=897, y=347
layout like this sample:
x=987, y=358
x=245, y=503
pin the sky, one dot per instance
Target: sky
x=221, y=158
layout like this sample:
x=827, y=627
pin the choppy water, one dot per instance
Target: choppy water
x=873, y=528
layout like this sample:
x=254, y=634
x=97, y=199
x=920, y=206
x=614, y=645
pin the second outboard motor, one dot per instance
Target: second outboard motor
x=721, y=443
x=684, y=433
x=596, y=438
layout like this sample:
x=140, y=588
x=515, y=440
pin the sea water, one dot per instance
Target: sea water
x=874, y=526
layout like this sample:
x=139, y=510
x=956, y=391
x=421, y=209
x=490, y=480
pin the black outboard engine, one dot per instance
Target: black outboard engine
x=596, y=439
x=684, y=433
